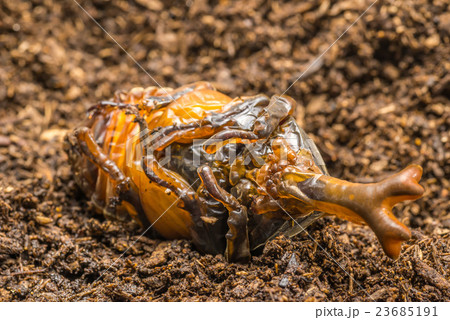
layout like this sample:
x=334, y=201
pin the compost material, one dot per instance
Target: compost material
x=375, y=102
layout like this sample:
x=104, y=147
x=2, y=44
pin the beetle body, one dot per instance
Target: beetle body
x=230, y=174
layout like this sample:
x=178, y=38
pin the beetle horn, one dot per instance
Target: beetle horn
x=364, y=203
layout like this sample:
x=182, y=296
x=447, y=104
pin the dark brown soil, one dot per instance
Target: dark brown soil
x=375, y=102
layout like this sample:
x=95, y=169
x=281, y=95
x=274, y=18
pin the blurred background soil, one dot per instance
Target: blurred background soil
x=375, y=102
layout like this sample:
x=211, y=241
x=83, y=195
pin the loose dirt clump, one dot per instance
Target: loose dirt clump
x=375, y=102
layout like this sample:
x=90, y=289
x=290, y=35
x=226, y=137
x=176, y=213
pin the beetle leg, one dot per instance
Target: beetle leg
x=238, y=246
x=222, y=138
x=182, y=136
x=164, y=177
x=241, y=111
x=279, y=108
x=208, y=232
x=172, y=181
x=124, y=189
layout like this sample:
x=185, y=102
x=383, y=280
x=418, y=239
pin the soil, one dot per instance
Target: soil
x=373, y=103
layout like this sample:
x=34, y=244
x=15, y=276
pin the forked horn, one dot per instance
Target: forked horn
x=370, y=203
